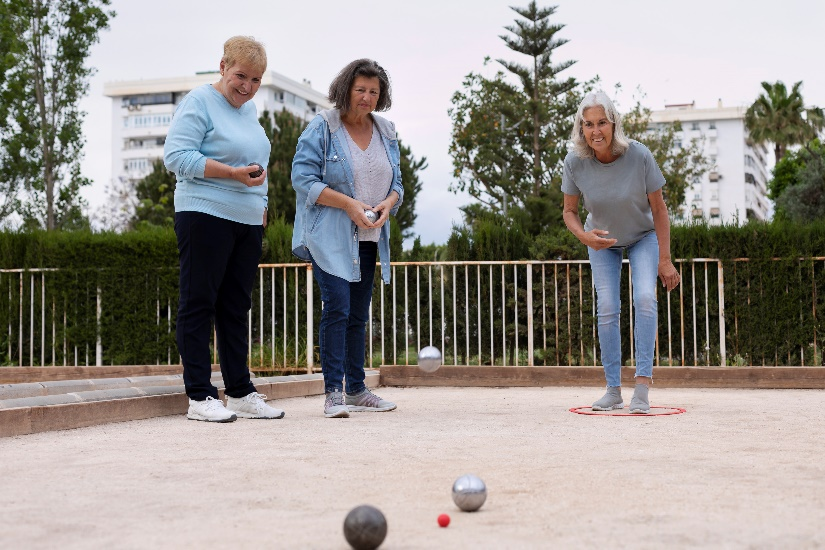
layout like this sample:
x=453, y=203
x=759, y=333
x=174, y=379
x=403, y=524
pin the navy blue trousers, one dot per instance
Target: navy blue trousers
x=218, y=262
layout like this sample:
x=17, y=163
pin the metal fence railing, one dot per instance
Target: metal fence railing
x=736, y=312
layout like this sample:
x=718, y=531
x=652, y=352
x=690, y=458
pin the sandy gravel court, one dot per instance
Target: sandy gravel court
x=740, y=469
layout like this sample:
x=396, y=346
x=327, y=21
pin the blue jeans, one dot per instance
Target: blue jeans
x=343, y=328
x=606, y=265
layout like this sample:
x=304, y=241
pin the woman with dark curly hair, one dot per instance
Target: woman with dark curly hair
x=347, y=177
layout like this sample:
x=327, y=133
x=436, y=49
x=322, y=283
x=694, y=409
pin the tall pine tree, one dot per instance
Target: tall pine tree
x=509, y=139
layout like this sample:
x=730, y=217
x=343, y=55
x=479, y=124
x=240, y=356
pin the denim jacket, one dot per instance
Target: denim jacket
x=324, y=231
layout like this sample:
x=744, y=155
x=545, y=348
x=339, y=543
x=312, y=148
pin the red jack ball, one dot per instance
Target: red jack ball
x=443, y=520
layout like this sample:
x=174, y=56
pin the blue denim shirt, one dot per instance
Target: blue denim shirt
x=321, y=161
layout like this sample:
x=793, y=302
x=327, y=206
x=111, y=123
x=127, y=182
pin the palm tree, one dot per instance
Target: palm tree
x=782, y=118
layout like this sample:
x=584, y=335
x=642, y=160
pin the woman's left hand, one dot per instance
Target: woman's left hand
x=383, y=209
x=668, y=275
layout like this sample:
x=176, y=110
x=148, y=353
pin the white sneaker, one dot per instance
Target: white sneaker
x=209, y=410
x=252, y=406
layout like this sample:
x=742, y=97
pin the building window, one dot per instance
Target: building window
x=694, y=126
x=712, y=125
x=148, y=99
x=147, y=121
x=136, y=165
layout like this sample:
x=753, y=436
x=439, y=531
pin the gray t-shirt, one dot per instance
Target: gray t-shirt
x=615, y=194
x=372, y=172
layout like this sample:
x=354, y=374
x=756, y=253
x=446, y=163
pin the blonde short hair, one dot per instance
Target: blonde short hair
x=244, y=49
x=598, y=99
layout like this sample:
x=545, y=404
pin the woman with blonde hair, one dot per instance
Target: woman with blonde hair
x=217, y=148
x=621, y=186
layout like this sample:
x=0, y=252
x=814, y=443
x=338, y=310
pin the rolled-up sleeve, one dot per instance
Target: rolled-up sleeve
x=181, y=152
x=308, y=163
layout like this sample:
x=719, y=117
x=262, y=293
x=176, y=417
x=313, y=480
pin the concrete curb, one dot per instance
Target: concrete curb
x=78, y=409
x=663, y=377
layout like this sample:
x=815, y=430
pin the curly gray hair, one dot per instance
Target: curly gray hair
x=598, y=99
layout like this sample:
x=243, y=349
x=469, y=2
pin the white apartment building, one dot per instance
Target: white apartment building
x=142, y=111
x=735, y=188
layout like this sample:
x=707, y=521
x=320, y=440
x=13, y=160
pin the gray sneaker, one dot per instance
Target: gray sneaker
x=611, y=400
x=334, y=406
x=640, y=404
x=368, y=401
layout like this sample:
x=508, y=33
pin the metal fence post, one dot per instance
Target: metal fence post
x=722, y=351
x=99, y=344
x=529, y=315
x=310, y=323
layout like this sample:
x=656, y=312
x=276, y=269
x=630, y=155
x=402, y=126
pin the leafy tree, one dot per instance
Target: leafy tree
x=798, y=185
x=805, y=201
x=680, y=163
x=283, y=130
x=11, y=48
x=42, y=142
x=786, y=171
x=508, y=140
x=410, y=167
x=486, y=160
x=155, y=198
x=782, y=118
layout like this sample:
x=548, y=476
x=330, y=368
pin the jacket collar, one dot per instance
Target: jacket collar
x=333, y=118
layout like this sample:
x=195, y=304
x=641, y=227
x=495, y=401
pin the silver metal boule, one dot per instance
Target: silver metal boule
x=371, y=216
x=429, y=359
x=469, y=492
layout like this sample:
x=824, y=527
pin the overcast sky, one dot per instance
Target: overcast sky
x=702, y=51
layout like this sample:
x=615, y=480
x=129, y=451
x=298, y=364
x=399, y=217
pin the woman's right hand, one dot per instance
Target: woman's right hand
x=242, y=174
x=595, y=239
x=356, y=212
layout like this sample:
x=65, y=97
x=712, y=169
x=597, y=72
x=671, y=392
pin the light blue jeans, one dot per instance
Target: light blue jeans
x=606, y=265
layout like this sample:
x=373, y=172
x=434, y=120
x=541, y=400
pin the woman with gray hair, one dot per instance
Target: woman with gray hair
x=621, y=186
x=347, y=178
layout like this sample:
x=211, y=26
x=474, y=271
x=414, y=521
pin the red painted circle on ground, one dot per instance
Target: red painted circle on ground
x=665, y=411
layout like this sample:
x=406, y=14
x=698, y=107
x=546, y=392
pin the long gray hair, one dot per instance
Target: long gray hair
x=620, y=142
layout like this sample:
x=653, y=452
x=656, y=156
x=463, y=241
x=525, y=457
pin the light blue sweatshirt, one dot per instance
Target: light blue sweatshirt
x=206, y=125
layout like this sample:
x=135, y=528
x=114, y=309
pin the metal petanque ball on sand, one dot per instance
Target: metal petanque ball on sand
x=469, y=492
x=365, y=527
x=429, y=359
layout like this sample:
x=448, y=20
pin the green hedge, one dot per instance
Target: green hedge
x=770, y=304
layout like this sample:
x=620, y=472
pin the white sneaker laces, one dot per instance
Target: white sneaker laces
x=211, y=404
x=258, y=400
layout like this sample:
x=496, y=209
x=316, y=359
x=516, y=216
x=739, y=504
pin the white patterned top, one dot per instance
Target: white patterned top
x=372, y=173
